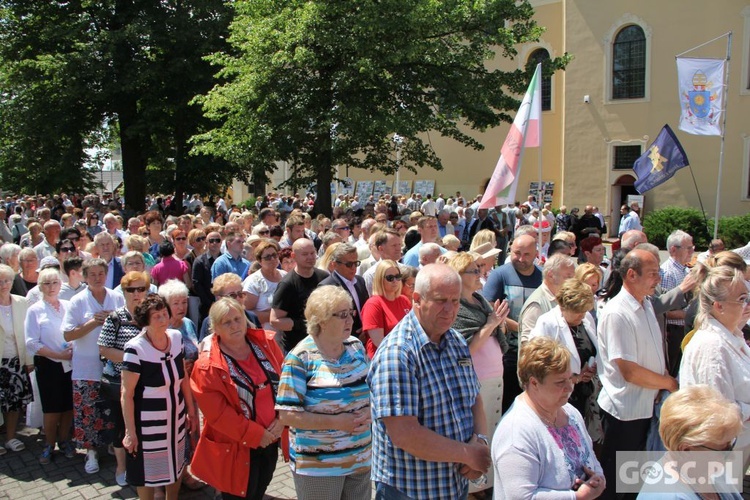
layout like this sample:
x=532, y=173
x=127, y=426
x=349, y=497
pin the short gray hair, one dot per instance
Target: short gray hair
x=341, y=250
x=321, y=304
x=7, y=272
x=7, y=252
x=650, y=248
x=555, y=263
x=130, y=256
x=173, y=289
x=433, y=274
x=676, y=238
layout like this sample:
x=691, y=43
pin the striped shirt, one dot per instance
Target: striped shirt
x=414, y=377
x=311, y=383
x=672, y=274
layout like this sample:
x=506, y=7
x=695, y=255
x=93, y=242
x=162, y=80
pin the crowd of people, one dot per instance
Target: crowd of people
x=427, y=348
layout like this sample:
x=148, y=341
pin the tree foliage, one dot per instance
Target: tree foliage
x=67, y=68
x=320, y=84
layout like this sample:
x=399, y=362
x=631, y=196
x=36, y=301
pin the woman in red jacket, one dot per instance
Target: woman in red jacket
x=235, y=381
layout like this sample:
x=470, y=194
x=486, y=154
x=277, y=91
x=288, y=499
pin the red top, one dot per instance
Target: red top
x=264, y=403
x=380, y=312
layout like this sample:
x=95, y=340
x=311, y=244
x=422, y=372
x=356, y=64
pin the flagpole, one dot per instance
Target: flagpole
x=703, y=210
x=723, y=132
x=728, y=33
x=540, y=191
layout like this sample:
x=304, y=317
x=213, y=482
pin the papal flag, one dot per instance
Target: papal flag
x=701, y=85
x=525, y=132
x=660, y=161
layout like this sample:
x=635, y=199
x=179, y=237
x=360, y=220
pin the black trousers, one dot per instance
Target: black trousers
x=675, y=335
x=620, y=435
x=262, y=466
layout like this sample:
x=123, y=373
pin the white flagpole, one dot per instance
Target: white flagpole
x=724, y=96
x=540, y=192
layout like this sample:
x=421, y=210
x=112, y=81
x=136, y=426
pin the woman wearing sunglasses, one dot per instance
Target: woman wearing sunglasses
x=483, y=326
x=260, y=286
x=386, y=307
x=118, y=328
x=324, y=398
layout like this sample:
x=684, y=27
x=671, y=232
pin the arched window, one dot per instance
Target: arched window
x=536, y=57
x=629, y=63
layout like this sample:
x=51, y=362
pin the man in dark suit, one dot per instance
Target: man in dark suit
x=344, y=275
x=105, y=246
x=202, y=272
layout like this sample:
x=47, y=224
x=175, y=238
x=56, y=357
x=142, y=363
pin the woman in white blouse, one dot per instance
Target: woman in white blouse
x=717, y=355
x=261, y=284
x=52, y=355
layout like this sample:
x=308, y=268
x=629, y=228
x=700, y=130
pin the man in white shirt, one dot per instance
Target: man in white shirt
x=46, y=248
x=633, y=367
x=429, y=207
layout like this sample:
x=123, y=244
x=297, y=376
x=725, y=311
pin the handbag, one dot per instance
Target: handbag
x=110, y=385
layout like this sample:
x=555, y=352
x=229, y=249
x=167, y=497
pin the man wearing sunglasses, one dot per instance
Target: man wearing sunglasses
x=201, y=273
x=345, y=276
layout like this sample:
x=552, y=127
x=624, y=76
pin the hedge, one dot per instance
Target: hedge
x=733, y=230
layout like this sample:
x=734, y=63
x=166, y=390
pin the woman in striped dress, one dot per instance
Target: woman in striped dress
x=156, y=402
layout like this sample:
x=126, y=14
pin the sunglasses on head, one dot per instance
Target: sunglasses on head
x=134, y=289
x=349, y=264
x=392, y=277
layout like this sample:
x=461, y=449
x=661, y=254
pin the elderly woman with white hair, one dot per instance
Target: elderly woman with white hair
x=15, y=362
x=134, y=261
x=697, y=418
x=323, y=397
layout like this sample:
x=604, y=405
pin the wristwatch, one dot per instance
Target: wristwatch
x=483, y=438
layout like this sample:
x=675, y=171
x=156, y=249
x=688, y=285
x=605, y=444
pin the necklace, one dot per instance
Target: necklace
x=161, y=349
x=549, y=422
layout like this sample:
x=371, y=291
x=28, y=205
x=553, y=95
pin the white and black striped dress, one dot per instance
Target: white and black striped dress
x=159, y=411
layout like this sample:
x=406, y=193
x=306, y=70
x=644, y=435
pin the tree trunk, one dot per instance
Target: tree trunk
x=323, y=196
x=133, y=162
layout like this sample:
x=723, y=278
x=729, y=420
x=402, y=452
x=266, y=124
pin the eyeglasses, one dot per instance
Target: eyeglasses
x=729, y=447
x=235, y=295
x=390, y=278
x=264, y=231
x=691, y=247
x=349, y=264
x=5, y=282
x=345, y=228
x=74, y=239
x=67, y=249
x=475, y=272
x=214, y=240
x=180, y=238
x=349, y=313
x=135, y=289
x=200, y=238
x=270, y=256
x=743, y=302
x=48, y=283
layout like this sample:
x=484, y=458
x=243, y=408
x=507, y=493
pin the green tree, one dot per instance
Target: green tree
x=320, y=84
x=68, y=67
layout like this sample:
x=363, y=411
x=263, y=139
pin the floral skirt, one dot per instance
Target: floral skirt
x=15, y=386
x=92, y=419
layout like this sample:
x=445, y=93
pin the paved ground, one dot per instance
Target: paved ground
x=21, y=477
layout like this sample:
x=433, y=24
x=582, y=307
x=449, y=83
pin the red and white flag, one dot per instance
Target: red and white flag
x=525, y=132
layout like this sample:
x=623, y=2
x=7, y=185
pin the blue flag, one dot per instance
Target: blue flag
x=660, y=161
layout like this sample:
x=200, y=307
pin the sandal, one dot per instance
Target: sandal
x=15, y=445
x=193, y=483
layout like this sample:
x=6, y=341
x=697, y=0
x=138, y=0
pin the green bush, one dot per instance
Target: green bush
x=660, y=223
x=733, y=230
x=248, y=204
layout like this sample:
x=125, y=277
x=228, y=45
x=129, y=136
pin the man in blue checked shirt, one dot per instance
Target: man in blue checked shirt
x=428, y=423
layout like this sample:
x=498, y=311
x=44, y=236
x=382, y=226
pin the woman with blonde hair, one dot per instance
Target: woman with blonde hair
x=323, y=397
x=717, y=354
x=698, y=418
x=570, y=323
x=541, y=446
x=386, y=307
x=483, y=326
x=326, y=261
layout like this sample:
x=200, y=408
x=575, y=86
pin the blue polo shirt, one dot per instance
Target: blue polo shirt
x=224, y=263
